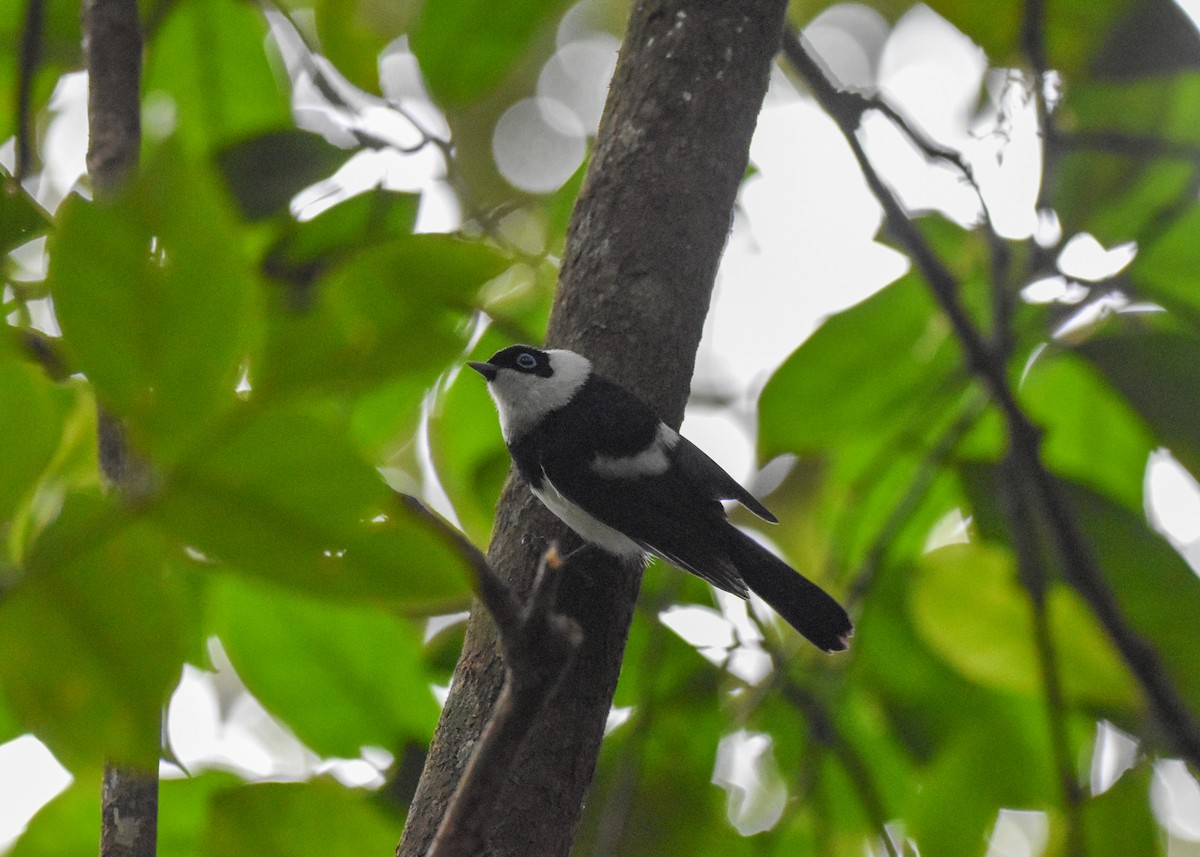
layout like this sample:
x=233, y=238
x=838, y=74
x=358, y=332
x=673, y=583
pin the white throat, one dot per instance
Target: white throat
x=523, y=399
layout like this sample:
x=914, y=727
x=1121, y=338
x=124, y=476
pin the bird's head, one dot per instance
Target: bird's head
x=528, y=383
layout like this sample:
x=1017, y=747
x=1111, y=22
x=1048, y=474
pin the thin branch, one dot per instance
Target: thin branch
x=1123, y=143
x=113, y=39
x=538, y=645
x=917, y=489
x=1079, y=565
x=31, y=54
x=825, y=732
x=1028, y=540
x=46, y=351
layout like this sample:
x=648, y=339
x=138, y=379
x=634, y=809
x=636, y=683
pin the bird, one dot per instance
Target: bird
x=603, y=462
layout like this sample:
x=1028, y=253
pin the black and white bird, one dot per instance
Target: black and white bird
x=624, y=480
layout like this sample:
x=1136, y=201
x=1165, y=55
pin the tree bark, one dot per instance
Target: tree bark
x=113, y=41
x=643, y=246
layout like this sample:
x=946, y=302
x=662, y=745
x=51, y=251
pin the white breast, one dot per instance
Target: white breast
x=588, y=527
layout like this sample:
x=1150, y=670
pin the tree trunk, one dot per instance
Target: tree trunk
x=643, y=246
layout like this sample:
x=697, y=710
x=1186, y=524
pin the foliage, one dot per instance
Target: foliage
x=268, y=368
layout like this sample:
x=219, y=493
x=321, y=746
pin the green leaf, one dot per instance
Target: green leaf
x=1117, y=198
x=1120, y=822
x=68, y=824
x=94, y=637
x=282, y=494
x=1092, y=435
x=1160, y=23
x=265, y=171
x=969, y=607
x=398, y=308
x=33, y=413
x=155, y=303
x=467, y=47
x=1164, y=271
x=1156, y=373
x=58, y=53
x=21, y=218
x=863, y=368
x=341, y=676
x=309, y=248
x=1156, y=590
x=207, y=69
x=318, y=818
x=353, y=35
x=467, y=448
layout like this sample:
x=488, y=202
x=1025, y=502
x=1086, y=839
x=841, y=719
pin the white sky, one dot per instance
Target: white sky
x=802, y=247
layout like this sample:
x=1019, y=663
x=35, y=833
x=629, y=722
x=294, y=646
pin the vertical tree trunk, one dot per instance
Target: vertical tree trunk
x=642, y=252
x=113, y=38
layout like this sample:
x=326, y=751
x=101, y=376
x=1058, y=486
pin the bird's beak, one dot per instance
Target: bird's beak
x=487, y=370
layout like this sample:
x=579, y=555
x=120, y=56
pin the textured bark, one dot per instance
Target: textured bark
x=113, y=39
x=642, y=252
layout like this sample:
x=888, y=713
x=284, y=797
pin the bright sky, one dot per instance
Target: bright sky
x=802, y=247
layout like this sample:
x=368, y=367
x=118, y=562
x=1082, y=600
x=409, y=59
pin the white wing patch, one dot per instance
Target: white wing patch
x=651, y=461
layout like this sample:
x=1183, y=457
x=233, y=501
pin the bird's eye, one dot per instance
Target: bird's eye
x=526, y=361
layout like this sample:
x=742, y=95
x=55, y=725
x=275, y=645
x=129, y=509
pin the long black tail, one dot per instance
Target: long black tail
x=806, y=607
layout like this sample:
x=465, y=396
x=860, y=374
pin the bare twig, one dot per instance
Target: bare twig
x=1028, y=540
x=826, y=733
x=31, y=52
x=1024, y=438
x=539, y=644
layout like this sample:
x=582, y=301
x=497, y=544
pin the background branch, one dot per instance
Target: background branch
x=1024, y=438
x=129, y=799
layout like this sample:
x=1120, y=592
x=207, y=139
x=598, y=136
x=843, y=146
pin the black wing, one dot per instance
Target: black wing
x=676, y=513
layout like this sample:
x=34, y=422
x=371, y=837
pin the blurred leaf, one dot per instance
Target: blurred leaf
x=58, y=54
x=386, y=418
x=1164, y=108
x=154, y=302
x=1156, y=373
x=283, y=495
x=1091, y=433
x=1155, y=588
x=68, y=824
x=1118, y=198
x=948, y=820
x=354, y=35
x=862, y=368
x=312, y=246
x=1120, y=822
x=1164, y=271
x=94, y=637
x=342, y=677
x=467, y=47
x=467, y=448
x=1159, y=23
x=207, y=67
x=265, y=171
x=969, y=607
x=21, y=218
x=397, y=308
x=318, y=818
x=32, y=414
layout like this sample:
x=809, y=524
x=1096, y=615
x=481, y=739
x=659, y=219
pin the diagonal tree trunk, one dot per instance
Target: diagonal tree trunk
x=643, y=246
